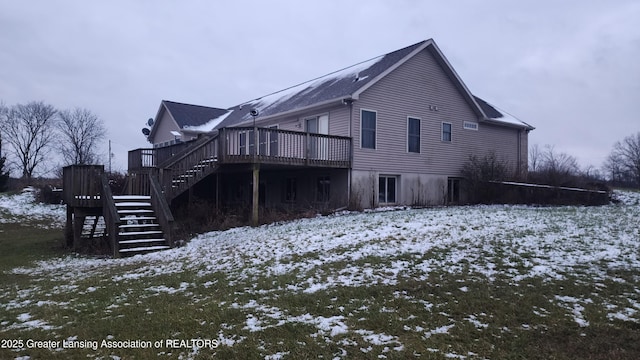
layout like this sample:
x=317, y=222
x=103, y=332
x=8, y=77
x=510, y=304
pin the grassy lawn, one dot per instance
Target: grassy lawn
x=462, y=283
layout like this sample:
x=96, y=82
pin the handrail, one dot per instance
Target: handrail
x=111, y=217
x=180, y=154
x=161, y=209
x=191, y=150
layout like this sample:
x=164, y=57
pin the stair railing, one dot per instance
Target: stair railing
x=161, y=208
x=203, y=154
x=111, y=218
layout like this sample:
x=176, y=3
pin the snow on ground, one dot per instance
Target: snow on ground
x=14, y=208
x=355, y=249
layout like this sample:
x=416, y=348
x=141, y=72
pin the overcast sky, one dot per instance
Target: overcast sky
x=569, y=68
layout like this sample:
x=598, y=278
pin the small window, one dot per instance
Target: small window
x=323, y=189
x=387, y=189
x=291, y=190
x=368, y=127
x=446, y=132
x=470, y=125
x=413, y=135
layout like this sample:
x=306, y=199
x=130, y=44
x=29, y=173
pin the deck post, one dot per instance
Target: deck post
x=68, y=229
x=256, y=190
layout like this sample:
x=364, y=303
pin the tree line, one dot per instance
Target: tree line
x=621, y=167
x=31, y=133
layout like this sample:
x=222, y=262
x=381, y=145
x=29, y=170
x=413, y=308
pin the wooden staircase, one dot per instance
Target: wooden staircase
x=189, y=167
x=139, y=230
x=130, y=224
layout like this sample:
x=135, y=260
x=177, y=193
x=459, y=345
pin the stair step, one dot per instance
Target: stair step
x=144, y=249
x=135, y=226
x=140, y=241
x=138, y=233
x=131, y=197
x=135, y=211
x=137, y=218
x=133, y=204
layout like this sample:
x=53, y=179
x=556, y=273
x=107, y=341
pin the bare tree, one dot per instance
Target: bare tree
x=28, y=129
x=81, y=132
x=534, y=157
x=4, y=171
x=623, y=163
x=559, y=163
x=552, y=167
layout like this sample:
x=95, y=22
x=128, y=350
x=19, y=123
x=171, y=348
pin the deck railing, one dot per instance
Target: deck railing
x=179, y=167
x=275, y=146
x=82, y=185
x=250, y=145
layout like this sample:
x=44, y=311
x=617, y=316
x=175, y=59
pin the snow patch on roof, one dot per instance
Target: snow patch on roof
x=273, y=99
x=508, y=118
x=210, y=125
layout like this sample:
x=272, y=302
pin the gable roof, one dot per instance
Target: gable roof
x=187, y=115
x=345, y=84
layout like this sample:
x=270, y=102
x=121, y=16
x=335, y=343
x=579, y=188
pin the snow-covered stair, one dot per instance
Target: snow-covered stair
x=139, y=230
x=194, y=172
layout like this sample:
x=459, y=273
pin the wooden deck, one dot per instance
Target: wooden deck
x=180, y=166
x=238, y=146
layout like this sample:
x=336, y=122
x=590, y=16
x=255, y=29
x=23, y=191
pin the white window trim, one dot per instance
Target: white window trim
x=419, y=135
x=442, y=132
x=304, y=120
x=376, y=130
x=397, y=189
x=473, y=124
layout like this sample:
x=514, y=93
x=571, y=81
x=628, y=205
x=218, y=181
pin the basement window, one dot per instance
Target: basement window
x=387, y=189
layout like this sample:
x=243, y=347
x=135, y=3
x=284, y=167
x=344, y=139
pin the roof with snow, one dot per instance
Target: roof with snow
x=500, y=116
x=346, y=83
x=187, y=115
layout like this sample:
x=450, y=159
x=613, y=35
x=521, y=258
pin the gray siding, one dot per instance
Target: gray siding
x=166, y=124
x=409, y=91
x=338, y=120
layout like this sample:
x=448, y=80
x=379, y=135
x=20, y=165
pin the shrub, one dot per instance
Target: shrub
x=49, y=194
x=478, y=172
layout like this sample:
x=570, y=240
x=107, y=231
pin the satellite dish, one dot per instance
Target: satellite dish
x=150, y=122
x=146, y=131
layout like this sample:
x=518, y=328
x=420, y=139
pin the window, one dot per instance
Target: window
x=387, y=190
x=291, y=190
x=470, y=125
x=446, y=132
x=368, y=127
x=323, y=189
x=243, y=142
x=273, y=140
x=453, y=190
x=413, y=135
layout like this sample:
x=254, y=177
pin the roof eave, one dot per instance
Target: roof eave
x=261, y=119
x=523, y=126
x=356, y=94
x=435, y=50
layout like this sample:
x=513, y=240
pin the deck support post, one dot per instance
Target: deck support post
x=68, y=229
x=256, y=197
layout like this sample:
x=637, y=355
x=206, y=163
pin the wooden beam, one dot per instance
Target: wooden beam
x=68, y=229
x=256, y=197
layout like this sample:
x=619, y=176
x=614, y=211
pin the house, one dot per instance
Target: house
x=392, y=130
